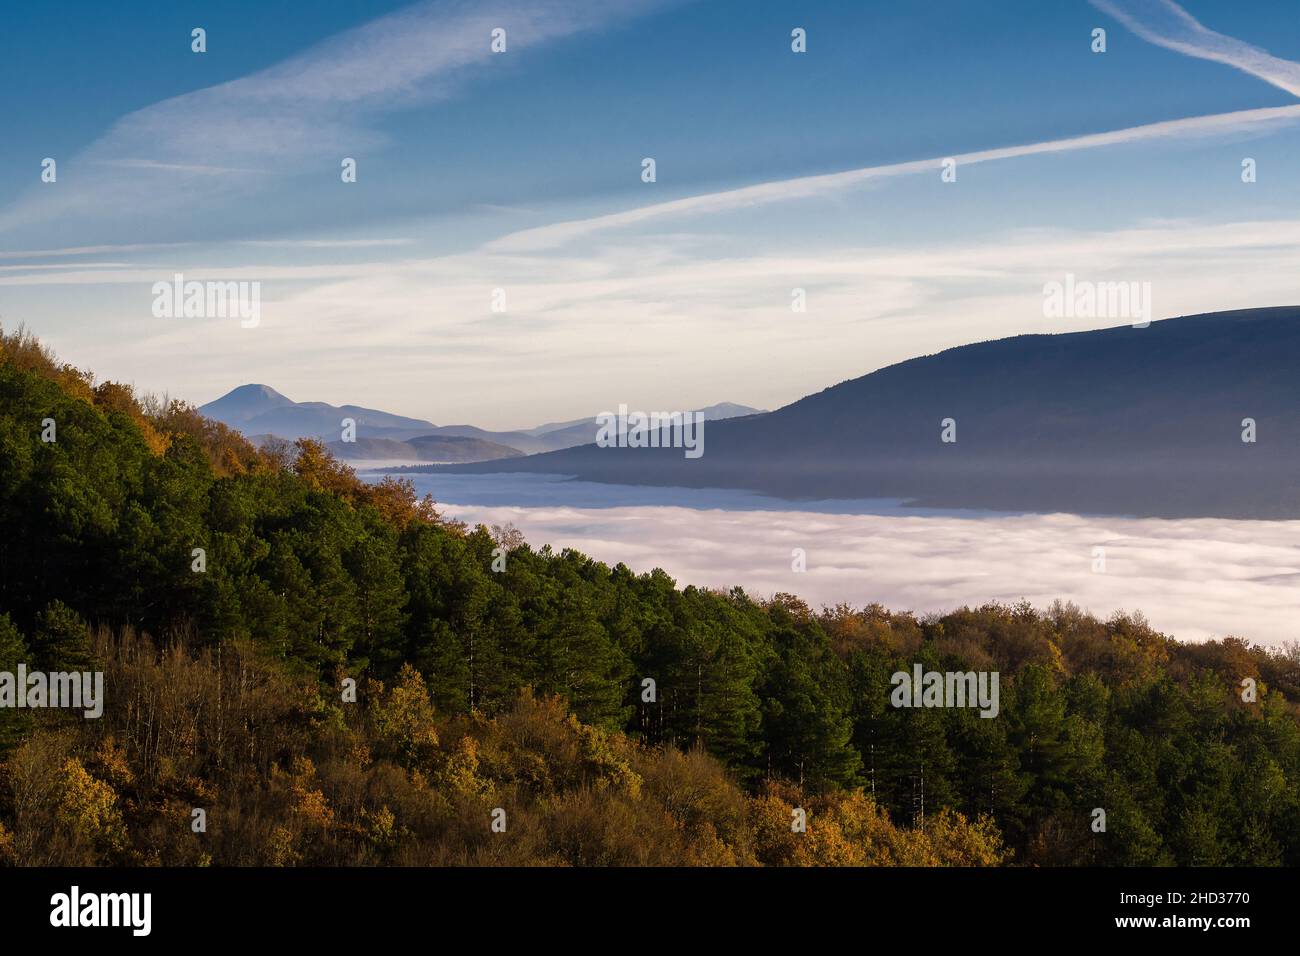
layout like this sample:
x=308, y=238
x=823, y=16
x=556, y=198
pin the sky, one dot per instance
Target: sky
x=521, y=171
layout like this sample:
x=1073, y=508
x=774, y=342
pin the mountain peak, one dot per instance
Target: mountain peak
x=260, y=391
x=245, y=402
x=253, y=390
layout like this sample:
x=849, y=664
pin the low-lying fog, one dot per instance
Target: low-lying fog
x=1193, y=579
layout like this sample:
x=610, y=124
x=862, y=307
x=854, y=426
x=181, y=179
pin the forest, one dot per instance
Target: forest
x=304, y=668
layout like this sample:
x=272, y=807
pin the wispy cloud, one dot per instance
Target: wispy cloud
x=196, y=168
x=556, y=234
x=1158, y=21
x=325, y=243
x=1166, y=24
x=236, y=137
x=418, y=336
x=87, y=250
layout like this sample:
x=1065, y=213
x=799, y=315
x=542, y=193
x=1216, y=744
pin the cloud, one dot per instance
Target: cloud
x=325, y=243
x=195, y=168
x=557, y=234
x=1158, y=21
x=643, y=320
x=1166, y=24
x=87, y=250
x=234, y=138
x=1193, y=579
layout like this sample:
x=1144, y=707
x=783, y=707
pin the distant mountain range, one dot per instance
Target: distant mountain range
x=260, y=412
x=1125, y=420
x=434, y=448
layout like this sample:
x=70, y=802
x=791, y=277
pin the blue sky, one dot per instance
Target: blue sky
x=226, y=165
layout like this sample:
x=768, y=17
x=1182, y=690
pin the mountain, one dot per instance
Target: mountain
x=433, y=448
x=245, y=403
x=711, y=413
x=526, y=443
x=261, y=412
x=1119, y=421
x=580, y=431
x=583, y=431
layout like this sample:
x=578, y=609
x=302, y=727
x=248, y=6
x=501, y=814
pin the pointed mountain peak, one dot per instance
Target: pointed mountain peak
x=245, y=402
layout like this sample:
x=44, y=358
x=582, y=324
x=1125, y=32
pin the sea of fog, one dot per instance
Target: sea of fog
x=1192, y=578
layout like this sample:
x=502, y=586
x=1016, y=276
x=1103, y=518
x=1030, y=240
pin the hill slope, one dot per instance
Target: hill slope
x=447, y=448
x=1123, y=420
x=260, y=411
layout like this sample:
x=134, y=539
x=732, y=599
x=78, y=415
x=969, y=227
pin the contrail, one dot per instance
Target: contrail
x=1162, y=22
x=559, y=233
x=229, y=139
x=1166, y=24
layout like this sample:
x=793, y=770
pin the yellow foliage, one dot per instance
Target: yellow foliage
x=381, y=828
x=280, y=850
x=312, y=806
x=7, y=848
x=110, y=760
x=403, y=718
x=88, y=807
x=459, y=773
x=307, y=803
x=958, y=842
x=848, y=829
x=315, y=465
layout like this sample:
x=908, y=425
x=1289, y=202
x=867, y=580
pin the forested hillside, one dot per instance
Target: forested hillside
x=230, y=593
